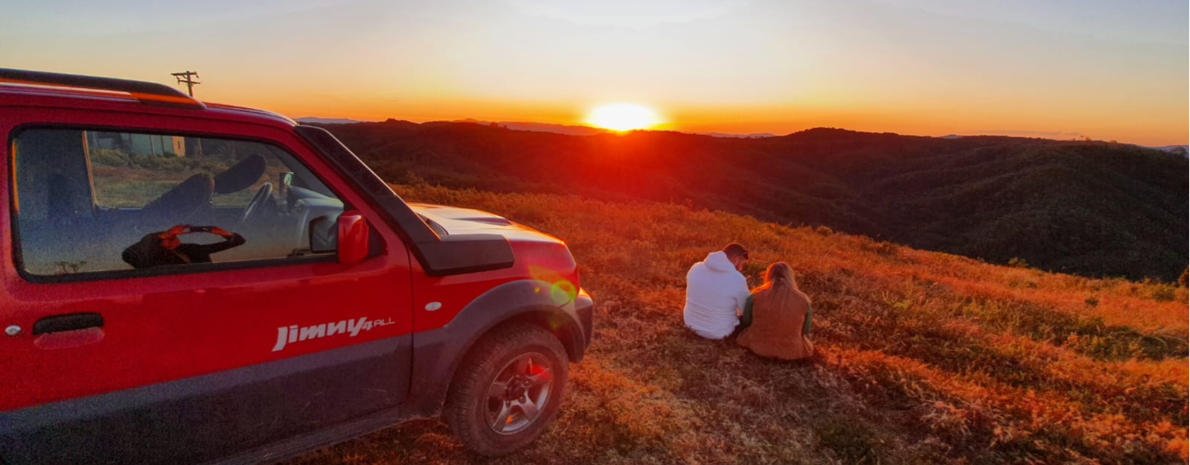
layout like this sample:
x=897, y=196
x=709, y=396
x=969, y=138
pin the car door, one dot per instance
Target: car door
x=122, y=349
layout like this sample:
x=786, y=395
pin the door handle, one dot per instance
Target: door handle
x=72, y=322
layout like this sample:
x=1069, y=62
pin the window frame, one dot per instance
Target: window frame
x=190, y=268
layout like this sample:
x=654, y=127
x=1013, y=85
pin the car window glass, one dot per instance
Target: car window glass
x=91, y=201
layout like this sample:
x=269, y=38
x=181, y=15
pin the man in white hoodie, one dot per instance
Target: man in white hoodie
x=716, y=293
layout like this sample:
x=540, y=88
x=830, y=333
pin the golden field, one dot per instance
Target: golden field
x=925, y=357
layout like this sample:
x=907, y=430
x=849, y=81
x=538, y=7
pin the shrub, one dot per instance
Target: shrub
x=1164, y=294
x=413, y=179
x=106, y=157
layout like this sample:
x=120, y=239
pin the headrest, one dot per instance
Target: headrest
x=184, y=198
x=240, y=176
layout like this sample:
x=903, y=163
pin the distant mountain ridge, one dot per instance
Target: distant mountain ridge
x=1090, y=208
x=578, y=130
x=572, y=130
x=315, y=120
x=754, y=135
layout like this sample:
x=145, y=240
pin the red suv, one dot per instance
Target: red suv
x=191, y=283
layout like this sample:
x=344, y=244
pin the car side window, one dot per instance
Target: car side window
x=103, y=201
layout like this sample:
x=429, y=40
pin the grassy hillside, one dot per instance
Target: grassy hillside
x=926, y=357
x=1094, y=209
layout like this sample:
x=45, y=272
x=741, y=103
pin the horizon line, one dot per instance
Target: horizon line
x=1020, y=134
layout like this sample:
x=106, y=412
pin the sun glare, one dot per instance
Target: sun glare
x=623, y=117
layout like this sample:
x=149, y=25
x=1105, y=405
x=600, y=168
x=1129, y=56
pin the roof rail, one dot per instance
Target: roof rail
x=146, y=92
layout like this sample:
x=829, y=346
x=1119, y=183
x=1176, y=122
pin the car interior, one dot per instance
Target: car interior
x=62, y=229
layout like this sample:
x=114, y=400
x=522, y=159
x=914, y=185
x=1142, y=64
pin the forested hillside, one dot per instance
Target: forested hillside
x=1090, y=208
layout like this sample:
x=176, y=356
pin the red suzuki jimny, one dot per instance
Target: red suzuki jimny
x=184, y=282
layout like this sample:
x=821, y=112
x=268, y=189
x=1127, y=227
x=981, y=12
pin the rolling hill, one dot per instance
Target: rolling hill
x=1089, y=208
x=925, y=357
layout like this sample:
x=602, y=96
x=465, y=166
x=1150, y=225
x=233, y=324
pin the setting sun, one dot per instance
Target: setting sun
x=623, y=117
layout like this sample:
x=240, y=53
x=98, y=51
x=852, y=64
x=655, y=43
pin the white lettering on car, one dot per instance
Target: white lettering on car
x=292, y=334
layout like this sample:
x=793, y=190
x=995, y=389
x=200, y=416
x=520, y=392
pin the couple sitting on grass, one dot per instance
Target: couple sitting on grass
x=773, y=319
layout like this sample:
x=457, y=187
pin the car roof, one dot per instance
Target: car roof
x=51, y=90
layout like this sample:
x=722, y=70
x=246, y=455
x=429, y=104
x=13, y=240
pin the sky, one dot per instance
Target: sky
x=1062, y=69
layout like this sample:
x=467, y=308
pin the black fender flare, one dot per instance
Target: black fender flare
x=437, y=353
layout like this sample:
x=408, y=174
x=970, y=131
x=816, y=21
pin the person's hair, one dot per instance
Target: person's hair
x=778, y=278
x=735, y=250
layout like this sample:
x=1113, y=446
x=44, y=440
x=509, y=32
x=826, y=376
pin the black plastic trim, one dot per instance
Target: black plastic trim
x=297, y=445
x=438, y=255
x=156, y=424
x=410, y=225
x=438, y=352
x=170, y=270
x=586, y=315
x=467, y=253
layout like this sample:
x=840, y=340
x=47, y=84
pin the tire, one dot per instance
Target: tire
x=507, y=390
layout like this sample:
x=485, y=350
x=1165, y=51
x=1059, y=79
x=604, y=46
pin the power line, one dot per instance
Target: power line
x=188, y=78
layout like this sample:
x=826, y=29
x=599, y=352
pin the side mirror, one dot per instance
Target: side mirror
x=353, y=237
x=348, y=236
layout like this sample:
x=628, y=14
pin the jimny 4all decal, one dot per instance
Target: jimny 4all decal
x=293, y=333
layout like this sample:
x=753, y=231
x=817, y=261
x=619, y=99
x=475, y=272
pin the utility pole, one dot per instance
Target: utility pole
x=188, y=78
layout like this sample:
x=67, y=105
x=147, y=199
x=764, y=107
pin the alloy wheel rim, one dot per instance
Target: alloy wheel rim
x=519, y=393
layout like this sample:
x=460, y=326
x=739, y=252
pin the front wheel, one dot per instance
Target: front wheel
x=507, y=389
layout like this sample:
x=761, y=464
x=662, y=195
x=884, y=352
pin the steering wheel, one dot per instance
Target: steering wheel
x=254, y=207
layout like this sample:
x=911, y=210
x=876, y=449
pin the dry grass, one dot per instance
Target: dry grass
x=926, y=357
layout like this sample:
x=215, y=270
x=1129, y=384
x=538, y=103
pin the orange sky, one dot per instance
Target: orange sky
x=1057, y=69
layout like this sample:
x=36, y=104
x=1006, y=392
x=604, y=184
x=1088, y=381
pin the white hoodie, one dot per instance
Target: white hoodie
x=714, y=293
